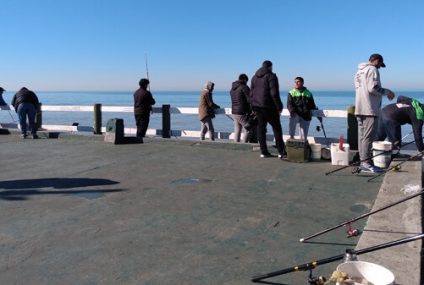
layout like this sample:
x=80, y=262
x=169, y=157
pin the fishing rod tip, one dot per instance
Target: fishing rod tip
x=302, y=240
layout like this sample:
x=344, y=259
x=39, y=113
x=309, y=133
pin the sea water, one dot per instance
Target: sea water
x=327, y=100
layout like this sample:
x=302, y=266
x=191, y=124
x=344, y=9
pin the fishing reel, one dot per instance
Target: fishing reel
x=318, y=128
x=356, y=170
x=351, y=232
x=318, y=280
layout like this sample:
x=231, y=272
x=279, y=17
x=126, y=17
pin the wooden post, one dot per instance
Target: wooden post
x=352, y=128
x=97, y=123
x=166, y=121
x=38, y=116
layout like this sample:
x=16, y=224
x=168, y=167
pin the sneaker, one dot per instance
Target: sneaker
x=369, y=168
x=282, y=156
x=34, y=137
x=266, y=154
x=23, y=136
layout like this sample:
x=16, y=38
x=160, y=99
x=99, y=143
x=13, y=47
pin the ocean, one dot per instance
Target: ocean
x=327, y=100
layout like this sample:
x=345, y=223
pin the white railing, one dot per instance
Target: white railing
x=158, y=110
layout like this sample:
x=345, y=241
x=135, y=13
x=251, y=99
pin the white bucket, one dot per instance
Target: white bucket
x=338, y=156
x=382, y=153
x=371, y=272
x=316, y=151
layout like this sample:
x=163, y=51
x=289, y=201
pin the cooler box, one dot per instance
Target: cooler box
x=338, y=156
x=115, y=131
x=298, y=150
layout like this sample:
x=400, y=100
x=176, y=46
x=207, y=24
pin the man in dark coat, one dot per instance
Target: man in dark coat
x=26, y=103
x=143, y=101
x=241, y=109
x=393, y=116
x=267, y=105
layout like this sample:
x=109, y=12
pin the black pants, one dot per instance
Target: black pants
x=389, y=129
x=142, y=122
x=272, y=117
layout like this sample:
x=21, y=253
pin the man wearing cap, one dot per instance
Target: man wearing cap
x=368, y=101
x=267, y=106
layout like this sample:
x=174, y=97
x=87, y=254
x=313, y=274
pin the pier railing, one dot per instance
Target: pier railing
x=165, y=110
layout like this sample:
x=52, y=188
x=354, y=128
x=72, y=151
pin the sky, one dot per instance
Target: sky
x=94, y=45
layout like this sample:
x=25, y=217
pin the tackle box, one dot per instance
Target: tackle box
x=298, y=150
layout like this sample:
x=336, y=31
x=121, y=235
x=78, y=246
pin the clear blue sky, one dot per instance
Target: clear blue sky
x=101, y=45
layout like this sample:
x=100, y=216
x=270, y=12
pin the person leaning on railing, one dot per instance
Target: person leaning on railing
x=25, y=103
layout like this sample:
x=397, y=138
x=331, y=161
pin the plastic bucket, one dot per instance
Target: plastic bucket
x=316, y=151
x=338, y=156
x=371, y=272
x=382, y=153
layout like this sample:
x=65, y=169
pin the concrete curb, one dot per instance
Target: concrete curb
x=395, y=223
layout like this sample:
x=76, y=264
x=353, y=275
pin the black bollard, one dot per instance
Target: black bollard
x=166, y=121
x=97, y=123
x=352, y=128
x=38, y=117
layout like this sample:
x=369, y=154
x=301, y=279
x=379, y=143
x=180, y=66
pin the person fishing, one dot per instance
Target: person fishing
x=143, y=101
x=393, y=116
x=26, y=103
x=368, y=99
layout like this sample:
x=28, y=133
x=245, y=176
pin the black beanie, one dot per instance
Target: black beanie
x=143, y=82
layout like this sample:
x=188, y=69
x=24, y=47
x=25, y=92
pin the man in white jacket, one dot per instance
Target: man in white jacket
x=368, y=100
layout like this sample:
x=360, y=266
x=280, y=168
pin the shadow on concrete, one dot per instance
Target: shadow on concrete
x=19, y=190
x=58, y=183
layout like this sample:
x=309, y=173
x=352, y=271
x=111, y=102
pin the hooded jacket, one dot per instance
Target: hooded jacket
x=265, y=90
x=24, y=96
x=143, y=101
x=368, y=90
x=206, y=105
x=240, y=100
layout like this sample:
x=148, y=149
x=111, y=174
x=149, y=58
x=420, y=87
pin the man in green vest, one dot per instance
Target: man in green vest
x=300, y=104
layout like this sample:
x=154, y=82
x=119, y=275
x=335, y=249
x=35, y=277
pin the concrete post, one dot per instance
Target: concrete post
x=97, y=122
x=352, y=128
x=38, y=117
x=166, y=121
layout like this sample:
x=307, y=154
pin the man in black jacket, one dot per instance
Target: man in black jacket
x=143, y=101
x=26, y=103
x=393, y=116
x=241, y=109
x=267, y=105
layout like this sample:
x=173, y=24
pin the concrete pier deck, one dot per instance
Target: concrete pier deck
x=77, y=210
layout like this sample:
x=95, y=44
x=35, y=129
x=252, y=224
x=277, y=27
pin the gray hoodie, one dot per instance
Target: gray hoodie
x=368, y=90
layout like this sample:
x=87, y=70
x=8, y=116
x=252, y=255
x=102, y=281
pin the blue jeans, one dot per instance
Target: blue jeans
x=27, y=110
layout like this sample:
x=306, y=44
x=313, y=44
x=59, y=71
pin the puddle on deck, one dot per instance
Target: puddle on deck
x=190, y=181
x=88, y=195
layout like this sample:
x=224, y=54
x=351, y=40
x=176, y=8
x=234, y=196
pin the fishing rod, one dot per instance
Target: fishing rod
x=396, y=167
x=147, y=70
x=349, y=253
x=381, y=152
x=355, y=232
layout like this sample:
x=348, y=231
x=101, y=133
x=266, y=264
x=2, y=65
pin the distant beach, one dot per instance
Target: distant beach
x=328, y=100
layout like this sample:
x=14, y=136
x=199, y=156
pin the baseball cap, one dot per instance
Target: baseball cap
x=375, y=56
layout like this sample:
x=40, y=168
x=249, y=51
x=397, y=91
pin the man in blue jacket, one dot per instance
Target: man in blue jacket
x=267, y=105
